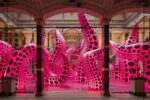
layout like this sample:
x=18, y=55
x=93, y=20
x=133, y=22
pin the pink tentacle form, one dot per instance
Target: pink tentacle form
x=18, y=65
x=80, y=67
x=127, y=73
x=81, y=45
x=60, y=47
x=126, y=52
x=6, y=52
x=93, y=68
x=120, y=66
x=88, y=32
x=59, y=78
x=89, y=43
x=138, y=51
x=20, y=62
x=45, y=59
x=133, y=36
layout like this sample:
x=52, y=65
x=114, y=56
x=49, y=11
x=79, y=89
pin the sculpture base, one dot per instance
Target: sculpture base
x=138, y=93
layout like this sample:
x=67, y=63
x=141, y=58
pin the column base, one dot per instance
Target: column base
x=6, y=94
x=106, y=93
x=38, y=94
x=143, y=94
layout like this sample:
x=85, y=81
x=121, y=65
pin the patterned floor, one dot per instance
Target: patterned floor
x=75, y=96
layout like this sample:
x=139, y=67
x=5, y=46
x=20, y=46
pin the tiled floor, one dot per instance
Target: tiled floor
x=75, y=96
x=75, y=91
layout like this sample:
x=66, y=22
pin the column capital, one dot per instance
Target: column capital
x=39, y=20
x=105, y=21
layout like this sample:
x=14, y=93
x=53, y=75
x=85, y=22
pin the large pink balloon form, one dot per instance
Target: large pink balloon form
x=6, y=51
x=88, y=66
x=120, y=66
x=93, y=67
x=140, y=51
x=58, y=79
x=20, y=61
x=58, y=69
x=89, y=43
x=56, y=55
x=133, y=36
x=18, y=66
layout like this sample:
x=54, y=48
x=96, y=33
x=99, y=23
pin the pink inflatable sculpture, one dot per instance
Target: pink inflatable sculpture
x=60, y=78
x=89, y=43
x=93, y=68
x=57, y=68
x=19, y=65
x=6, y=52
x=140, y=51
x=56, y=55
x=121, y=66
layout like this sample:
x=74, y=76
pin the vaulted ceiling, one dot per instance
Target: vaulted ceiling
x=23, y=12
x=104, y=7
x=70, y=19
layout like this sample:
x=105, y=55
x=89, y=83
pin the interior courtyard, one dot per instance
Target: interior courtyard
x=75, y=49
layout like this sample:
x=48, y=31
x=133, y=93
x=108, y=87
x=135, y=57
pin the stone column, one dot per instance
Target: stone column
x=105, y=36
x=39, y=31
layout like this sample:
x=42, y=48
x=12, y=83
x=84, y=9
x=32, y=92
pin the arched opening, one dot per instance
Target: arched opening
x=64, y=17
